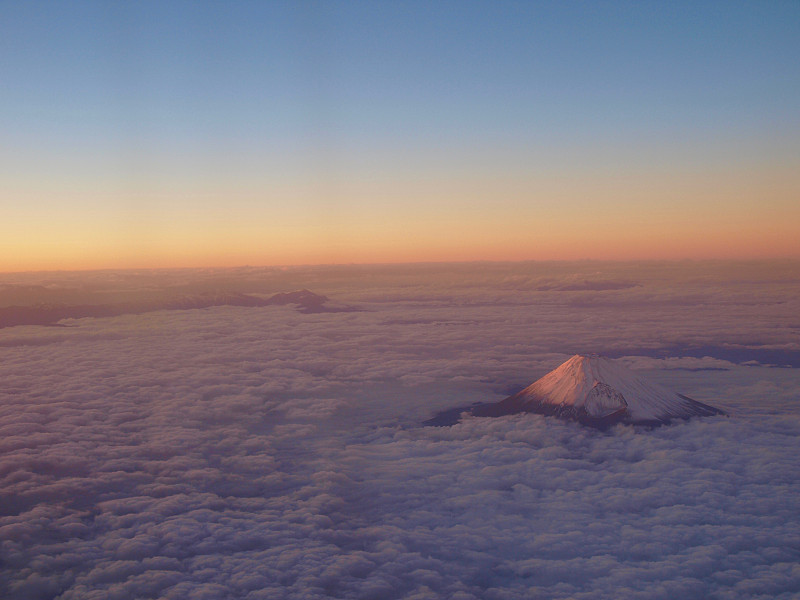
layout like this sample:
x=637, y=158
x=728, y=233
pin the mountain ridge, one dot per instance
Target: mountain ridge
x=596, y=391
x=50, y=313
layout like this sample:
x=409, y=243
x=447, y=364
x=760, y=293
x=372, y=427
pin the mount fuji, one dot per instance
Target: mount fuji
x=595, y=391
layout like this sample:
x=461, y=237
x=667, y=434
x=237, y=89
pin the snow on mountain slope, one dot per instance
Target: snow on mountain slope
x=598, y=391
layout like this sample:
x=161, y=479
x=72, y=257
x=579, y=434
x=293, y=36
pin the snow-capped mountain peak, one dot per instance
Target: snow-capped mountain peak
x=599, y=391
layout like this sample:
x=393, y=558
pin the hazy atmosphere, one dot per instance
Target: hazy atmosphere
x=399, y=300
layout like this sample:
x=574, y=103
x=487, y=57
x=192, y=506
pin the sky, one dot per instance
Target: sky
x=186, y=134
x=253, y=453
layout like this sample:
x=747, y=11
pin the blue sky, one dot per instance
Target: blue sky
x=397, y=70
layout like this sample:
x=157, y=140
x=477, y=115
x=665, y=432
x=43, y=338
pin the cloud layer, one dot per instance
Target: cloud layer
x=237, y=452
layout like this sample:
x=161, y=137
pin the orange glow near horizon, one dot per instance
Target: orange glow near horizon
x=432, y=241
x=485, y=215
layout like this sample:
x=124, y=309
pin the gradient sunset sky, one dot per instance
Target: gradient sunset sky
x=166, y=134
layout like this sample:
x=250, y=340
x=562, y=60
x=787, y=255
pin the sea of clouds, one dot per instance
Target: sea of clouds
x=261, y=453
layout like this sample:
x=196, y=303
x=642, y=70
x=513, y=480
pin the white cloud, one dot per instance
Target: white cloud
x=261, y=453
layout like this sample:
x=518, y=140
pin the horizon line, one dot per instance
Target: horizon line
x=752, y=260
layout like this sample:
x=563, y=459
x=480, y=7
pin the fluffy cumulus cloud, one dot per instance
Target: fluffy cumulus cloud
x=256, y=452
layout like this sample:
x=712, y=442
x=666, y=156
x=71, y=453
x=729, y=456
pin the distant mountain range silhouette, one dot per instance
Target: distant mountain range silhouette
x=304, y=301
